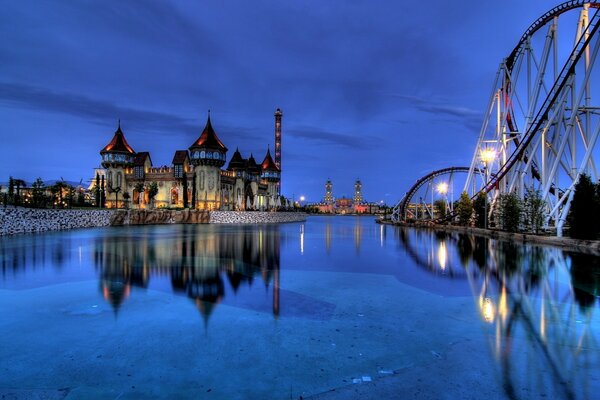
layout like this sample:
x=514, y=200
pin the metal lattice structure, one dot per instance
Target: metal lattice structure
x=542, y=121
x=418, y=201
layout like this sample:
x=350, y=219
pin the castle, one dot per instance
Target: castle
x=195, y=179
x=344, y=205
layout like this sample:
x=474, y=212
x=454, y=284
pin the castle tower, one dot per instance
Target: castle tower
x=271, y=175
x=278, y=115
x=328, y=192
x=207, y=155
x=358, y=192
x=117, y=159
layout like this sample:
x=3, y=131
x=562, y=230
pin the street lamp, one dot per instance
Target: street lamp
x=442, y=188
x=487, y=156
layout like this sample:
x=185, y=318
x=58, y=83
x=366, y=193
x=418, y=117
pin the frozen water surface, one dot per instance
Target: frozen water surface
x=336, y=307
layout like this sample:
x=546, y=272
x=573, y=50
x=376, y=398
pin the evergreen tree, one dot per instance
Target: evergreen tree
x=533, y=208
x=584, y=210
x=464, y=209
x=97, y=190
x=512, y=209
x=480, y=208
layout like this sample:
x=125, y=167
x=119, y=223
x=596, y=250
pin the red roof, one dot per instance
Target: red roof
x=209, y=138
x=268, y=163
x=118, y=143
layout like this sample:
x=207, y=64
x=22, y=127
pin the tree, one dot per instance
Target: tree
x=440, y=205
x=19, y=183
x=126, y=198
x=11, y=190
x=480, y=208
x=533, y=208
x=102, y=193
x=584, y=210
x=139, y=188
x=80, y=197
x=152, y=192
x=464, y=209
x=97, y=190
x=37, y=193
x=70, y=195
x=57, y=190
x=508, y=210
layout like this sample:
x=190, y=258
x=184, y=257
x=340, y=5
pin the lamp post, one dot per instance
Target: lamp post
x=487, y=156
x=442, y=188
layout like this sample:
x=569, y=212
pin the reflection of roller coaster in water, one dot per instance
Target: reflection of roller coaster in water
x=539, y=307
x=542, y=121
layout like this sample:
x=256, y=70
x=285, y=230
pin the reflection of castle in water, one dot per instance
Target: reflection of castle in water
x=541, y=327
x=196, y=262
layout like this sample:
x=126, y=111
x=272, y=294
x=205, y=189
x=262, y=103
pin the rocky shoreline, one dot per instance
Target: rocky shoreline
x=28, y=220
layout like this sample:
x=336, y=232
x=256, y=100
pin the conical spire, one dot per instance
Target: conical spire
x=208, y=138
x=118, y=144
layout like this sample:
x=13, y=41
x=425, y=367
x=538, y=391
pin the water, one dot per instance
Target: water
x=283, y=311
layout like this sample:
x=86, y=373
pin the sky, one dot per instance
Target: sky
x=381, y=91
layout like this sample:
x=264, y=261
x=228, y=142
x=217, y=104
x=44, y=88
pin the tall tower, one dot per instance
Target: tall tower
x=328, y=192
x=208, y=155
x=358, y=192
x=117, y=159
x=278, y=115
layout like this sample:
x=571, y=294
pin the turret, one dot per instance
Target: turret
x=207, y=155
x=118, y=158
x=208, y=149
x=117, y=153
x=270, y=172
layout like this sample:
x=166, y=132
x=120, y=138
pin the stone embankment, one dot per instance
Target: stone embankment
x=153, y=217
x=255, y=217
x=28, y=220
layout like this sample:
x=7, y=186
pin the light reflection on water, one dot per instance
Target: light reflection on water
x=537, y=306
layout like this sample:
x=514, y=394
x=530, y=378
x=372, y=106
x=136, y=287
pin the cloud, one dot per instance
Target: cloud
x=466, y=114
x=100, y=111
x=320, y=135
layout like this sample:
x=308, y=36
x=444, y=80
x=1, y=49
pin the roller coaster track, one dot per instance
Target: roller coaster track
x=400, y=209
x=542, y=115
x=552, y=130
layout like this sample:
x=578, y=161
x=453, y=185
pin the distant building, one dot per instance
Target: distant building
x=345, y=205
x=195, y=178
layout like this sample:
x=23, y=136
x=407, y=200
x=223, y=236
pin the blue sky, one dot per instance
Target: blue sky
x=384, y=91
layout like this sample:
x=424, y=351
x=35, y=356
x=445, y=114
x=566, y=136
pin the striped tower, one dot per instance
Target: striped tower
x=278, y=115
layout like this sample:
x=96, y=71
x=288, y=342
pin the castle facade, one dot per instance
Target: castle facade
x=195, y=179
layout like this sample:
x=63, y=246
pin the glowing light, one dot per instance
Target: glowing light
x=442, y=188
x=302, y=239
x=442, y=255
x=488, y=311
x=487, y=155
x=302, y=198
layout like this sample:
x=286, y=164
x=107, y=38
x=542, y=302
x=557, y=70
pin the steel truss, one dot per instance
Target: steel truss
x=542, y=124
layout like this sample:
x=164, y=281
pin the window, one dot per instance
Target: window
x=138, y=172
x=178, y=171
